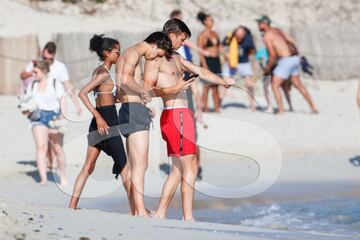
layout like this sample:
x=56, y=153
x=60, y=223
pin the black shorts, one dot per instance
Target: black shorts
x=214, y=64
x=111, y=143
x=133, y=117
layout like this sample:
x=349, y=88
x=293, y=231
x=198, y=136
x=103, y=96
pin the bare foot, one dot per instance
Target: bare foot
x=159, y=215
x=315, y=111
x=63, y=182
x=43, y=183
x=269, y=110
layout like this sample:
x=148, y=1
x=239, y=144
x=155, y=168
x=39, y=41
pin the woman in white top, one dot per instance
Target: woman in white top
x=46, y=92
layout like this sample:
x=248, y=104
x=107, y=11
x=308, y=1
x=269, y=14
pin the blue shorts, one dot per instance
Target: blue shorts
x=244, y=69
x=287, y=66
x=45, y=118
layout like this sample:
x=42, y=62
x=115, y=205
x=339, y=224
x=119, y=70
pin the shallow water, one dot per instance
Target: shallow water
x=332, y=215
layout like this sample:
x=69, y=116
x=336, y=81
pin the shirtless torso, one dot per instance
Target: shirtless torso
x=169, y=74
x=129, y=66
x=276, y=43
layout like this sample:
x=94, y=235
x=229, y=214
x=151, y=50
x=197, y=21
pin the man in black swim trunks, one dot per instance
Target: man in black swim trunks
x=134, y=116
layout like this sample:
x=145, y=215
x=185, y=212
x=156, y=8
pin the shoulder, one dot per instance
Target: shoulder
x=59, y=64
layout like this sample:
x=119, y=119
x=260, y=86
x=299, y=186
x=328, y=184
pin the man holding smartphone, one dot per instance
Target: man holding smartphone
x=177, y=122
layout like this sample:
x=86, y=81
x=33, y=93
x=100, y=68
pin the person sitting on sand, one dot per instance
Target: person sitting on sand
x=282, y=47
x=103, y=131
x=46, y=93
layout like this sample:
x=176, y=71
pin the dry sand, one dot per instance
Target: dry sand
x=315, y=148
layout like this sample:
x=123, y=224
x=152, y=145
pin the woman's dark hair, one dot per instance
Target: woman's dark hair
x=201, y=16
x=177, y=26
x=247, y=32
x=162, y=41
x=99, y=44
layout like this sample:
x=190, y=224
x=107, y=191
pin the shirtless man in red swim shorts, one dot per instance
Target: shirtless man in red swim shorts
x=177, y=123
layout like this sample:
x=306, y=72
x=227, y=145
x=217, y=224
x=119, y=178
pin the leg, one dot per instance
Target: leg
x=139, y=148
x=130, y=192
x=205, y=97
x=286, y=87
x=215, y=92
x=41, y=136
x=56, y=143
x=299, y=86
x=89, y=165
x=250, y=87
x=267, y=83
x=189, y=169
x=169, y=189
x=276, y=83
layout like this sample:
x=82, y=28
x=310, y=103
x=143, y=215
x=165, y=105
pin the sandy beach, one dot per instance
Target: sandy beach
x=315, y=166
x=264, y=176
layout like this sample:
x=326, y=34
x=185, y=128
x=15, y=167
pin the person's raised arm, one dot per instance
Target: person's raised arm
x=196, y=48
x=206, y=74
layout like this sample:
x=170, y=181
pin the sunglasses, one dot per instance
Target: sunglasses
x=48, y=59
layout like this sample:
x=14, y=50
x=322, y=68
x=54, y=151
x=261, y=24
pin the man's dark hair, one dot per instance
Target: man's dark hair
x=162, y=41
x=175, y=13
x=176, y=26
x=50, y=47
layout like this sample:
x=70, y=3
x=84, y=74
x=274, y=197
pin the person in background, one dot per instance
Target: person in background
x=46, y=92
x=245, y=48
x=282, y=47
x=209, y=40
x=59, y=72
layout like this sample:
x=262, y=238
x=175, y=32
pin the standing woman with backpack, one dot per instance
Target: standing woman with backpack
x=46, y=93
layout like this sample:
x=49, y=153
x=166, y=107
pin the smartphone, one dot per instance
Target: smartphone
x=191, y=76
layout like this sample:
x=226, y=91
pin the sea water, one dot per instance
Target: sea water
x=331, y=215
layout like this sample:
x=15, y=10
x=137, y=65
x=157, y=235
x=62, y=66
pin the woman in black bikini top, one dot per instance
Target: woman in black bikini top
x=209, y=40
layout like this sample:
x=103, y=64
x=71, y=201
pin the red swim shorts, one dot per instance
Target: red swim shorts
x=178, y=131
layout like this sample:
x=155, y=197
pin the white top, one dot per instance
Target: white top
x=49, y=100
x=113, y=91
x=58, y=70
x=181, y=51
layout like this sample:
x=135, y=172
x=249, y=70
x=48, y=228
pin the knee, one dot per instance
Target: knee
x=42, y=149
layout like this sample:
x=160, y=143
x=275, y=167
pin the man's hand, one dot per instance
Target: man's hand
x=152, y=112
x=145, y=96
x=228, y=82
x=183, y=84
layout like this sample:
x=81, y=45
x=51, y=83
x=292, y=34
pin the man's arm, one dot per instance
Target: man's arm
x=196, y=48
x=272, y=55
x=125, y=71
x=151, y=75
x=69, y=89
x=205, y=73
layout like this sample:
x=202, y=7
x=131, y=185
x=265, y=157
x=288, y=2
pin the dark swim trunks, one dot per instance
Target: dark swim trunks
x=133, y=117
x=110, y=143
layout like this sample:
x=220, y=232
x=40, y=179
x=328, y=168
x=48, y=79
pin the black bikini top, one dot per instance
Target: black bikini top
x=209, y=43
